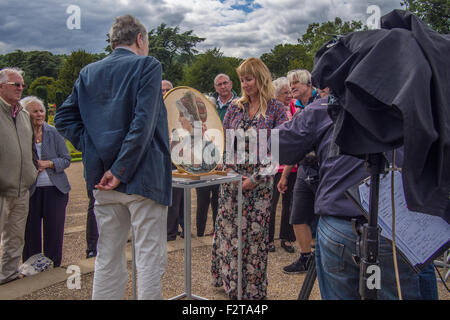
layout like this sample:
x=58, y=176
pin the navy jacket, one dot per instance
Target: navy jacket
x=312, y=130
x=117, y=118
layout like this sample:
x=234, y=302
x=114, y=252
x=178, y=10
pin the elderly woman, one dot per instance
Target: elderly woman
x=50, y=194
x=256, y=110
x=283, y=94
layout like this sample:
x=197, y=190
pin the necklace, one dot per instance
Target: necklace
x=250, y=113
x=38, y=137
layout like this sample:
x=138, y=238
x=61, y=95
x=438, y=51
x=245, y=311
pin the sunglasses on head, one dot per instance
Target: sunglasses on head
x=17, y=84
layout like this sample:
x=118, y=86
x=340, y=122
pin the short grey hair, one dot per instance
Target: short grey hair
x=25, y=102
x=302, y=75
x=221, y=75
x=279, y=84
x=125, y=30
x=6, y=71
x=168, y=82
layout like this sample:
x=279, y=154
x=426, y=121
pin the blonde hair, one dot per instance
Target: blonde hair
x=263, y=79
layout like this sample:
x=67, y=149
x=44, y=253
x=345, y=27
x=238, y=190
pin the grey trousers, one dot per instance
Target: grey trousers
x=13, y=219
x=116, y=213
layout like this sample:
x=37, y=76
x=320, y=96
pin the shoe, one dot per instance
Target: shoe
x=301, y=265
x=289, y=248
x=271, y=247
x=91, y=254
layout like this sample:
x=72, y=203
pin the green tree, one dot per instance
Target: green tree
x=318, y=34
x=173, y=50
x=41, y=81
x=436, y=13
x=42, y=93
x=42, y=63
x=70, y=69
x=201, y=73
x=285, y=57
x=59, y=98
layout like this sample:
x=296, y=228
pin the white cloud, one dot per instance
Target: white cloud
x=265, y=23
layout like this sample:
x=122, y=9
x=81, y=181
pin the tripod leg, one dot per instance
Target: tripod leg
x=310, y=278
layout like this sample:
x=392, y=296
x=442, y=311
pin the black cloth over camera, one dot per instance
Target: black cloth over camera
x=390, y=87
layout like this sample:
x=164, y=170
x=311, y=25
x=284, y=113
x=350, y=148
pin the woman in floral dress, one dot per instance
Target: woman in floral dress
x=255, y=111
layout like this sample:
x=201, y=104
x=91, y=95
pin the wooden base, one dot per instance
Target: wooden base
x=186, y=175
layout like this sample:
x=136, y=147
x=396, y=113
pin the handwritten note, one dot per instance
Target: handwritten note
x=417, y=235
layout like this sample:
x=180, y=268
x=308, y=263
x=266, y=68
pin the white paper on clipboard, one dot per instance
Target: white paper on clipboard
x=419, y=236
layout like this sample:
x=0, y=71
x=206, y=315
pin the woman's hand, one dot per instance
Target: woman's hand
x=282, y=185
x=44, y=164
x=247, y=184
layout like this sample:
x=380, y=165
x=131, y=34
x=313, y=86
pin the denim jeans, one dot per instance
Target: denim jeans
x=338, y=274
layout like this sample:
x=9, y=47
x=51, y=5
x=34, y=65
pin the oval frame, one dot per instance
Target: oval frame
x=211, y=112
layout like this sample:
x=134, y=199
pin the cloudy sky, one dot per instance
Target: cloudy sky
x=239, y=28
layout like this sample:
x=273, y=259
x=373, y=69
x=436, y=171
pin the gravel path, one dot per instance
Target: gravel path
x=281, y=286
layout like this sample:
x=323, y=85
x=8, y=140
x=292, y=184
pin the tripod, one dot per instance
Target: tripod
x=367, y=249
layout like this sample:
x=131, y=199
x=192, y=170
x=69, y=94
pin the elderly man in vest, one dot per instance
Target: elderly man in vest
x=18, y=171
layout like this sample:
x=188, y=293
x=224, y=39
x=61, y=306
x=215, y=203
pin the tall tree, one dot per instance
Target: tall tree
x=201, y=73
x=436, y=13
x=285, y=57
x=42, y=63
x=172, y=49
x=318, y=34
x=71, y=68
x=38, y=82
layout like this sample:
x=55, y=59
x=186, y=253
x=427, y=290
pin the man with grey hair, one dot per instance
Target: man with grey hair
x=18, y=171
x=116, y=117
x=166, y=86
x=224, y=93
x=210, y=195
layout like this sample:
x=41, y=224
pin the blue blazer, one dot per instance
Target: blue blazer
x=116, y=117
x=54, y=148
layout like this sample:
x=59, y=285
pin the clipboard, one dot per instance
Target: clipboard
x=420, y=238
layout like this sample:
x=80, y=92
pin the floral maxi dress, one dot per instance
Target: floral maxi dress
x=255, y=214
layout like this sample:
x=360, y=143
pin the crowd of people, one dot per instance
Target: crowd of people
x=117, y=117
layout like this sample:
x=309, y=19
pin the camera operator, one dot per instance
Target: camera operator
x=338, y=274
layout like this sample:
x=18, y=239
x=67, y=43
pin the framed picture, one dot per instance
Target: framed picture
x=195, y=131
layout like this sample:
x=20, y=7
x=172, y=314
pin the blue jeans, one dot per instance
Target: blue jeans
x=338, y=274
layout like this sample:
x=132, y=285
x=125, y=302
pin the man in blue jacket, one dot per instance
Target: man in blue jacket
x=116, y=117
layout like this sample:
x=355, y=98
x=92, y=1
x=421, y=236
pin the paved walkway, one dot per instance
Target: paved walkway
x=75, y=225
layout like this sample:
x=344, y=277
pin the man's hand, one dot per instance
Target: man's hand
x=282, y=185
x=108, y=182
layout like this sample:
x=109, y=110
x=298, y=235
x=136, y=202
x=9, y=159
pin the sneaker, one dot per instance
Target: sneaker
x=301, y=265
x=91, y=254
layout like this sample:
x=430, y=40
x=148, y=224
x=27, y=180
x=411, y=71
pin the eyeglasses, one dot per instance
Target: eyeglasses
x=17, y=84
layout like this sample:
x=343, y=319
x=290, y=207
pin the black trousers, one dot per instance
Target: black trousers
x=47, y=207
x=286, y=230
x=205, y=196
x=174, y=217
x=91, y=225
